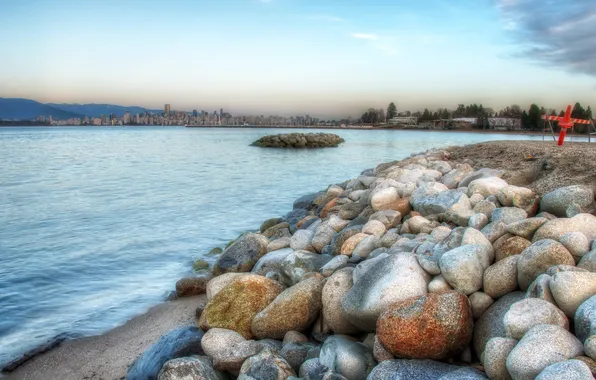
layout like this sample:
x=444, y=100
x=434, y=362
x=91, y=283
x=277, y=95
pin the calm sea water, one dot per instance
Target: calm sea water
x=97, y=224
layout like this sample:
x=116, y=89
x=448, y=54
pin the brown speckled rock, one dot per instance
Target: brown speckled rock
x=234, y=307
x=511, y=247
x=192, y=286
x=294, y=309
x=435, y=326
x=348, y=247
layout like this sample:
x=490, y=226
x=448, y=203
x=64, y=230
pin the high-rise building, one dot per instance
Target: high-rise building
x=195, y=113
x=167, y=110
x=126, y=118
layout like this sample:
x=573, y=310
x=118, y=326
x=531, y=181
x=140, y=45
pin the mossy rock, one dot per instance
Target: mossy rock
x=215, y=251
x=200, y=264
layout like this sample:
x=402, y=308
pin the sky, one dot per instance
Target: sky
x=326, y=58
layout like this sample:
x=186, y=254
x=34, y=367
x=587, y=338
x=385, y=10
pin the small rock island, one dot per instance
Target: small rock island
x=299, y=140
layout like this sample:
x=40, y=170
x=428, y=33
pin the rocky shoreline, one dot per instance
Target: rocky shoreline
x=433, y=267
x=299, y=140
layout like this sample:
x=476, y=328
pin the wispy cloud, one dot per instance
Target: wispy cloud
x=554, y=33
x=365, y=36
x=326, y=18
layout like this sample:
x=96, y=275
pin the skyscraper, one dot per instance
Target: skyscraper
x=167, y=113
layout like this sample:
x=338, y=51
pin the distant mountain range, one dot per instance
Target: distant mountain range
x=27, y=109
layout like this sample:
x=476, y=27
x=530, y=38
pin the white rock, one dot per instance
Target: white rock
x=495, y=357
x=462, y=268
x=527, y=313
x=576, y=243
x=538, y=257
x=571, y=289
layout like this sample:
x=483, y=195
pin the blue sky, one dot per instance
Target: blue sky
x=329, y=58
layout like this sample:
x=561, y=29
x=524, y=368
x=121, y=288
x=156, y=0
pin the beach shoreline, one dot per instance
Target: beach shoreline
x=109, y=355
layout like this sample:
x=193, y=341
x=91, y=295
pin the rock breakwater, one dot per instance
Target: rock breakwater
x=300, y=140
x=425, y=268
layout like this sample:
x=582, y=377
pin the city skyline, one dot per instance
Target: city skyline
x=288, y=57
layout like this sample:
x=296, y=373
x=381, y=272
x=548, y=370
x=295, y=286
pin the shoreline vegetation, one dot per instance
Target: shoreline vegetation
x=475, y=261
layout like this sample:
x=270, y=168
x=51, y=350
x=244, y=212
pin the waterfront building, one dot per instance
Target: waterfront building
x=167, y=110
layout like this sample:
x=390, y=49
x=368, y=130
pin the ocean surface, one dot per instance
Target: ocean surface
x=97, y=224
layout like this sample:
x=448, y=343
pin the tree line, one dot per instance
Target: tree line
x=531, y=119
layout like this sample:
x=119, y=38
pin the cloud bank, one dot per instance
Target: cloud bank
x=556, y=33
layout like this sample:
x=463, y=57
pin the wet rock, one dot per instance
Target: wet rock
x=195, y=367
x=495, y=357
x=490, y=324
x=540, y=347
x=435, y=326
x=571, y=289
x=390, y=279
x=277, y=230
x=295, y=309
x=242, y=255
x=270, y=223
x=338, y=285
x=353, y=360
x=266, y=365
x=235, y=305
x=557, y=202
x=271, y=262
x=527, y=313
x=294, y=217
x=538, y=257
x=501, y=277
x=192, y=286
x=185, y=341
x=298, y=263
x=568, y=370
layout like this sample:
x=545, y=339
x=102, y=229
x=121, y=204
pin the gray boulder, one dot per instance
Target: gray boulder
x=334, y=290
x=540, y=347
x=295, y=353
x=267, y=366
x=495, y=357
x=571, y=289
x=193, y=367
x=298, y=263
x=527, y=313
x=405, y=369
x=557, y=202
x=508, y=215
x=556, y=228
x=585, y=319
x=462, y=268
x=185, y=341
x=538, y=257
x=271, y=262
x=390, y=279
x=490, y=324
x=568, y=370
x=351, y=359
x=242, y=255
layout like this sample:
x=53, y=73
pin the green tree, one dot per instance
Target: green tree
x=391, y=111
x=534, y=115
x=525, y=120
x=578, y=112
x=589, y=113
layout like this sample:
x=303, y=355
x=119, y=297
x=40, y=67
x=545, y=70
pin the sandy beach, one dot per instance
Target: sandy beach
x=108, y=356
